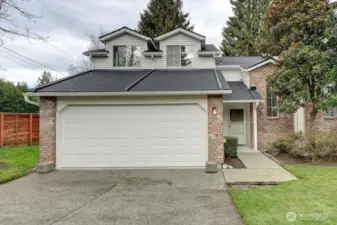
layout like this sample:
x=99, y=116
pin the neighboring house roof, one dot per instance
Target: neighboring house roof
x=177, y=31
x=243, y=61
x=240, y=92
x=138, y=81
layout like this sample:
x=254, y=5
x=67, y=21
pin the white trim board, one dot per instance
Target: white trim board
x=135, y=93
x=261, y=64
x=177, y=31
x=121, y=32
x=242, y=101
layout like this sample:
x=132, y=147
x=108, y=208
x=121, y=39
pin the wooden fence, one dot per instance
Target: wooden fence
x=19, y=129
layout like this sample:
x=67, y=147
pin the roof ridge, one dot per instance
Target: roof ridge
x=217, y=79
x=139, y=80
x=60, y=80
x=250, y=92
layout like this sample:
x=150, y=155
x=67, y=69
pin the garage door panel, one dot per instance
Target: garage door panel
x=133, y=136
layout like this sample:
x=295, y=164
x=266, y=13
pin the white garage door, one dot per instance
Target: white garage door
x=132, y=136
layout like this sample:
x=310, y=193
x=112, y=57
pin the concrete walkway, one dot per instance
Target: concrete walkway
x=259, y=170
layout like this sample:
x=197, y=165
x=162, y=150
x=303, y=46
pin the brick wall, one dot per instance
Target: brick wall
x=268, y=128
x=215, y=129
x=47, y=129
x=322, y=123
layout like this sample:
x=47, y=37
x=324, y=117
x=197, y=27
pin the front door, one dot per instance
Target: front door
x=237, y=125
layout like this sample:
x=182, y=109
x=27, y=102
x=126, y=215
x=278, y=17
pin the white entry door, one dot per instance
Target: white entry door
x=237, y=125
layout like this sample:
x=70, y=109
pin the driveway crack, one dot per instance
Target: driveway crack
x=91, y=200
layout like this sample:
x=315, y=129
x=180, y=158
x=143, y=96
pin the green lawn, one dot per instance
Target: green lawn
x=313, y=198
x=19, y=160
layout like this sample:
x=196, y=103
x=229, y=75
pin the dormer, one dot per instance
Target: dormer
x=127, y=49
x=184, y=48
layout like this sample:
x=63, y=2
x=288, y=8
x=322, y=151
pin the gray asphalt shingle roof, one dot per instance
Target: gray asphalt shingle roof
x=210, y=48
x=179, y=80
x=243, y=61
x=138, y=80
x=241, y=92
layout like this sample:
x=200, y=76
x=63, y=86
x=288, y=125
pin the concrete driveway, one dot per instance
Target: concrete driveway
x=118, y=197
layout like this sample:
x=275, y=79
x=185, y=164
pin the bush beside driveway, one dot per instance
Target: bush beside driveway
x=312, y=198
x=19, y=160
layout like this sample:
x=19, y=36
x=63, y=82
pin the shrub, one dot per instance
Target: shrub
x=315, y=144
x=231, y=146
x=283, y=145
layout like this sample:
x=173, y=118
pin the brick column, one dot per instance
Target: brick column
x=47, y=130
x=215, y=129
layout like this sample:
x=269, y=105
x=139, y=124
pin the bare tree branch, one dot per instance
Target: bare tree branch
x=9, y=28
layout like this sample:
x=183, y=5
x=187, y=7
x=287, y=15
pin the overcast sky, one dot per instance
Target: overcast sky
x=68, y=21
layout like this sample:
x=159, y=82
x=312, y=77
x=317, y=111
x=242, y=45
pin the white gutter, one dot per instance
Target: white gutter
x=228, y=67
x=132, y=93
x=243, y=101
x=29, y=101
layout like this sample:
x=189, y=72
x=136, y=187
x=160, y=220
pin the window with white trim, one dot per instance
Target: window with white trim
x=179, y=55
x=271, y=103
x=126, y=56
x=331, y=113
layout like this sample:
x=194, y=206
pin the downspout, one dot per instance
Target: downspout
x=30, y=102
x=153, y=63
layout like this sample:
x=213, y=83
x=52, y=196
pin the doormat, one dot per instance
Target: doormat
x=3, y=165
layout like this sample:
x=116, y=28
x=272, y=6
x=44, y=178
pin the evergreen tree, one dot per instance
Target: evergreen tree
x=303, y=34
x=297, y=21
x=239, y=36
x=162, y=16
x=12, y=100
x=44, y=79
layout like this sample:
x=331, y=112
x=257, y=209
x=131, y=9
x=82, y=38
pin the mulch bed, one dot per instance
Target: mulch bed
x=288, y=159
x=235, y=163
x=3, y=165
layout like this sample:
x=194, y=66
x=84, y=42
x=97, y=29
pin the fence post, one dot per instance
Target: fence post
x=30, y=129
x=16, y=129
x=1, y=129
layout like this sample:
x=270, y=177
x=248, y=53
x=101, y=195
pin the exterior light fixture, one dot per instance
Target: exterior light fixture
x=214, y=110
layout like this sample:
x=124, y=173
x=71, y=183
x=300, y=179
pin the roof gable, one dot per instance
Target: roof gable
x=122, y=31
x=178, y=31
x=245, y=62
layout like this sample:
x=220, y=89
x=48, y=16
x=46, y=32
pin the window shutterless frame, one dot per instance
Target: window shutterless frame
x=271, y=104
x=179, y=55
x=126, y=56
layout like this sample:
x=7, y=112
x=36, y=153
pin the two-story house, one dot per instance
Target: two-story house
x=166, y=102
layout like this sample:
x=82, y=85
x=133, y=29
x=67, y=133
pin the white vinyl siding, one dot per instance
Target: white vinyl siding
x=140, y=132
x=158, y=62
x=182, y=39
x=232, y=74
x=126, y=39
x=299, y=120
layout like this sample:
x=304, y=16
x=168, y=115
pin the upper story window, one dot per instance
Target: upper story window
x=126, y=56
x=331, y=113
x=271, y=103
x=179, y=55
